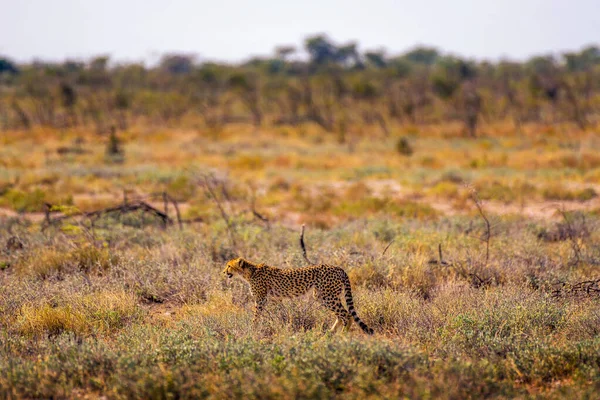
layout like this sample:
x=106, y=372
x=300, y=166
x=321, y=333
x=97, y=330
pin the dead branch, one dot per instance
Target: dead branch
x=440, y=260
x=208, y=185
x=166, y=200
x=122, y=209
x=387, y=247
x=47, y=210
x=255, y=213
x=192, y=220
x=488, y=228
x=585, y=288
x=478, y=282
x=14, y=244
x=570, y=232
x=303, y=246
x=261, y=217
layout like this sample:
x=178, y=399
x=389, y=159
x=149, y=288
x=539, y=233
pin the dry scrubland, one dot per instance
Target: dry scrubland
x=128, y=309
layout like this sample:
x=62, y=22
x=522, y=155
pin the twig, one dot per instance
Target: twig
x=440, y=260
x=192, y=220
x=387, y=247
x=571, y=236
x=212, y=194
x=176, y=206
x=255, y=213
x=441, y=257
x=303, y=246
x=261, y=217
x=488, y=233
x=165, y=197
x=47, y=208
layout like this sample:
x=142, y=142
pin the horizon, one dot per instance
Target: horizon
x=231, y=32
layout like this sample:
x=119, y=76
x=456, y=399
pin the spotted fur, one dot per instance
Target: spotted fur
x=328, y=282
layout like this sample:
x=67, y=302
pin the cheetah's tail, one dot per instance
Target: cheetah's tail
x=350, y=303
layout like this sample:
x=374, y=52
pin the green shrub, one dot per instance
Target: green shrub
x=25, y=201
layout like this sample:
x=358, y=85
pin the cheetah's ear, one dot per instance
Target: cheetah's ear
x=242, y=263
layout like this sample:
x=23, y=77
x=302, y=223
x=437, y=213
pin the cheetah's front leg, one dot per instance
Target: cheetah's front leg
x=261, y=300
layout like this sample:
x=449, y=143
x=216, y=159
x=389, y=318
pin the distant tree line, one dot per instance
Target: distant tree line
x=338, y=86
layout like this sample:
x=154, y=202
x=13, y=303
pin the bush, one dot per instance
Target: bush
x=403, y=147
x=181, y=188
x=25, y=201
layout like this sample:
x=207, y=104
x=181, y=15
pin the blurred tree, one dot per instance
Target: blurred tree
x=376, y=58
x=7, y=66
x=347, y=56
x=99, y=63
x=177, y=63
x=422, y=55
x=337, y=86
x=69, y=99
x=321, y=50
x=400, y=67
x=584, y=60
x=283, y=52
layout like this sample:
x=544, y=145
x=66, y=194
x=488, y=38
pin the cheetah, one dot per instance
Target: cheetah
x=328, y=281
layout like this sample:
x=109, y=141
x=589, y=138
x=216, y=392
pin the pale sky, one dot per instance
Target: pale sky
x=234, y=30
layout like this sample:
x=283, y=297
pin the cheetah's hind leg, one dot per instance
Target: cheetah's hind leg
x=335, y=325
x=348, y=324
x=334, y=304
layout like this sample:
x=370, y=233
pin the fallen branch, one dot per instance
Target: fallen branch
x=583, y=288
x=122, y=209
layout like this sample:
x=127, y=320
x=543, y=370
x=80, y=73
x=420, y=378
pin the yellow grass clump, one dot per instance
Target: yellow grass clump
x=82, y=315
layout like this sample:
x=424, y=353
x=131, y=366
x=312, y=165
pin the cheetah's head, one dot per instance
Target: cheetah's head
x=235, y=266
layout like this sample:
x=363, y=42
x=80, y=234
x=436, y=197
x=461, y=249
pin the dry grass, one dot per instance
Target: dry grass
x=98, y=313
x=52, y=262
x=127, y=308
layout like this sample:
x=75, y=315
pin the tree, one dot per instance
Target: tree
x=283, y=52
x=347, y=55
x=376, y=58
x=7, y=66
x=248, y=89
x=99, y=63
x=584, y=60
x=422, y=55
x=321, y=50
x=177, y=64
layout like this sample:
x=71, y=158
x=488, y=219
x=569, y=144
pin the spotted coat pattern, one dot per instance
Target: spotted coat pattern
x=328, y=281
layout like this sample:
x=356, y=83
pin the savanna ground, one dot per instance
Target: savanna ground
x=126, y=308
